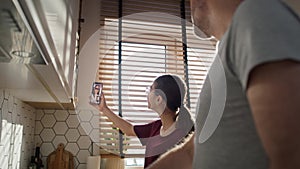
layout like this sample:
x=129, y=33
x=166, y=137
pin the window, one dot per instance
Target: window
x=139, y=41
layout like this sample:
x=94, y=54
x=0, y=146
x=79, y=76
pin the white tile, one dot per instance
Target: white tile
x=85, y=115
x=47, y=135
x=59, y=139
x=95, y=149
x=3, y=133
x=61, y=115
x=9, y=117
x=95, y=112
x=94, y=135
x=76, y=162
x=19, y=110
x=60, y=128
x=18, y=102
x=6, y=94
x=32, y=116
x=84, y=142
x=48, y=120
x=38, y=127
x=8, y=131
x=24, y=163
x=72, y=135
x=91, y=148
x=72, y=148
x=95, y=121
x=27, y=107
x=17, y=143
x=18, y=130
x=23, y=144
x=21, y=116
x=4, y=162
x=10, y=103
x=4, y=110
x=81, y=166
x=1, y=154
x=18, y=121
x=6, y=146
x=82, y=156
x=15, y=160
x=48, y=111
x=85, y=128
x=32, y=129
x=37, y=140
x=14, y=114
x=46, y=149
x=27, y=129
x=1, y=96
x=39, y=114
x=72, y=121
x=72, y=112
x=24, y=121
x=80, y=129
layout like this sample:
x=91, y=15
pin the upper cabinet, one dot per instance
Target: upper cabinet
x=55, y=24
x=43, y=29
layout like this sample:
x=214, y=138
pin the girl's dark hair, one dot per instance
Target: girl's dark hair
x=173, y=90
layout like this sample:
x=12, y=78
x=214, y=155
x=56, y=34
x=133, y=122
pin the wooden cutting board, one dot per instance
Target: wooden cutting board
x=60, y=159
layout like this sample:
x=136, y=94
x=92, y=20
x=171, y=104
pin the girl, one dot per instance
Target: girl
x=165, y=96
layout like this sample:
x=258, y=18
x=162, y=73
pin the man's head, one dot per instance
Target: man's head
x=212, y=17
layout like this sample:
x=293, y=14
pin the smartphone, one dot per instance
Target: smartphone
x=96, y=92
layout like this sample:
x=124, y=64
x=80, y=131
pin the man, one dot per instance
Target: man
x=259, y=59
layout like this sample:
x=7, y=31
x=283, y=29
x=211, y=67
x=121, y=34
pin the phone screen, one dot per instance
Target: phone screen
x=96, y=92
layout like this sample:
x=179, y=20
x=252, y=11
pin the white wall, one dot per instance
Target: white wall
x=91, y=15
x=89, y=52
x=17, y=128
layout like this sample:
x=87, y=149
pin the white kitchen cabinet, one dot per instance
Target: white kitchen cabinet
x=53, y=24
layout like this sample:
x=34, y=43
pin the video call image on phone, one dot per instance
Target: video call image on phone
x=96, y=92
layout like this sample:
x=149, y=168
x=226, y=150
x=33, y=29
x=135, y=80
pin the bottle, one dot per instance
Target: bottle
x=37, y=158
x=32, y=164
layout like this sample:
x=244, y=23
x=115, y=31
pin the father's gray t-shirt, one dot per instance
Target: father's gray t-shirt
x=226, y=138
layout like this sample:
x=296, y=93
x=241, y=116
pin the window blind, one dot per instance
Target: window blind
x=139, y=41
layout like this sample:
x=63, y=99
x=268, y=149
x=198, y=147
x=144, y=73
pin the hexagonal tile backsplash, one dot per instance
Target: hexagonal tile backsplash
x=24, y=127
x=63, y=126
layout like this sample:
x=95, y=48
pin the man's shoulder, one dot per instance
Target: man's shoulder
x=261, y=11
